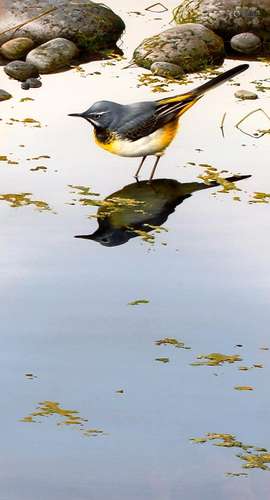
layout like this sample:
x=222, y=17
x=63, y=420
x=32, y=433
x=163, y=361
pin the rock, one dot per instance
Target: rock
x=245, y=94
x=167, y=70
x=52, y=55
x=33, y=83
x=25, y=86
x=91, y=26
x=190, y=46
x=227, y=17
x=17, y=48
x=246, y=43
x=21, y=70
x=4, y=96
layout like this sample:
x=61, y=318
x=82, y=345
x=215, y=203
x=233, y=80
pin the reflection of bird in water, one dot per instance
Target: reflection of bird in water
x=142, y=206
x=145, y=128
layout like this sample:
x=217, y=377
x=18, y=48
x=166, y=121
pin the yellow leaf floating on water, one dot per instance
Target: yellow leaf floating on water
x=16, y=200
x=25, y=121
x=68, y=417
x=216, y=359
x=171, y=341
x=243, y=388
x=259, y=197
x=253, y=458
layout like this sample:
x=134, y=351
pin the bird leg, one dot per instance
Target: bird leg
x=140, y=166
x=154, y=168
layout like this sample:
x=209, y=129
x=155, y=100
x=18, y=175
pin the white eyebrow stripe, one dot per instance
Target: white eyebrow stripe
x=98, y=113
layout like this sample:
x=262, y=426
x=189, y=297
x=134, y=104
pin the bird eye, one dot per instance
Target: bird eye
x=97, y=116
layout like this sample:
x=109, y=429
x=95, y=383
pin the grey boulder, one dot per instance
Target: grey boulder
x=91, y=26
x=246, y=43
x=227, y=17
x=21, y=70
x=52, y=55
x=190, y=46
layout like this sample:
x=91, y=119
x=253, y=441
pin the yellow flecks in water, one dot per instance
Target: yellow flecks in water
x=211, y=175
x=216, y=359
x=80, y=70
x=253, y=458
x=160, y=84
x=26, y=99
x=259, y=197
x=243, y=388
x=171, y=341
x=67, y=417
x=82, y=190
x=41, y=157
x=113, y=205
x=25, y=121
x=256, y=461
x=138, y=302
x=163, y=360
x=27, y=419
x=16, y=200
x=246, y=368
x=36, y=169
x=5, y=158
x=144, y=235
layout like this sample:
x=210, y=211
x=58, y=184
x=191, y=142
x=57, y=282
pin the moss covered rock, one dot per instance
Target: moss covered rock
x=190, y=46
x=91, y=26
x=227, y=17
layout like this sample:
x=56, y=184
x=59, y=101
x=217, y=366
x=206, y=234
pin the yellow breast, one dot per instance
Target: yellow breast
x=152, y=144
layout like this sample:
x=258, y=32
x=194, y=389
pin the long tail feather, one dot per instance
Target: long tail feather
x=218, y=80
x=202, y=89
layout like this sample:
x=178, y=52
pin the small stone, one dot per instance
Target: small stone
x=25, y=86
x=17, y=48
x=20, y=70
x=245, y=94
x=246, y=43
x=33, y=83
x=53, y=55
x=168, y=70
x=4, y=96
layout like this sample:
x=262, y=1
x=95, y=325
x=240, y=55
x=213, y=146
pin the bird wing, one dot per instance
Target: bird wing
x=145, y=118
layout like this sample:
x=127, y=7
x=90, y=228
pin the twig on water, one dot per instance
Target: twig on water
x=19, y=26
x=222, y=124
x=254, y=136
x=150, y=8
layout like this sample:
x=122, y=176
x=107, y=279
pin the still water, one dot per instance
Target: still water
x=74, y=338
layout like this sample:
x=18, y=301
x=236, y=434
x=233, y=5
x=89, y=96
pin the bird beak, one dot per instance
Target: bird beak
x=77, y=114
x=82, y=115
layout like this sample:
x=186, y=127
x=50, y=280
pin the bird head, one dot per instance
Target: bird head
x=100, y=115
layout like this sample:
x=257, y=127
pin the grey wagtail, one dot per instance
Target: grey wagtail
x=148, y=127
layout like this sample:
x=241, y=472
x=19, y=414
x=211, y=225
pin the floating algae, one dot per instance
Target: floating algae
x=67, y=417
